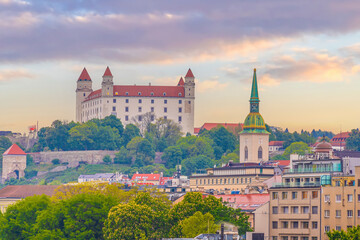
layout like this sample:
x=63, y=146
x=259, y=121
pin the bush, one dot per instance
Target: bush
x=30, y=174
x=56, y=161
x=107, y=159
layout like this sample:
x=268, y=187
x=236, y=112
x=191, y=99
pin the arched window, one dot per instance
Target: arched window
x=246, y=153
x=260, y=153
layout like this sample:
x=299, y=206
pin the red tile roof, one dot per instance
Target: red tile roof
x=84, y=75
x=93, y=95
x=23, y=191
x=341, y=137
x=146, y=177
x=189, y=73
x=276, y=143
x=107, y=73
x=14, y=150
x=196, y=130
x=181, y=82
x=163, y=180
x=229, y=126
x=282, y=162
x=246, y=201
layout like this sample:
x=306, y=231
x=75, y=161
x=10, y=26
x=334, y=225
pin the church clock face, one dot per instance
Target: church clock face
x=254, y=107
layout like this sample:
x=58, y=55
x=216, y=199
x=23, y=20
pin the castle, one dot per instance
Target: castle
x=132, y=103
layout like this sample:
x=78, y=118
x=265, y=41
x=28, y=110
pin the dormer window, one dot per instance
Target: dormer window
x=164, y=93
x=152, y=94
x=116, y=93
x=126, y=93
x=180, y=94
x=139, y=93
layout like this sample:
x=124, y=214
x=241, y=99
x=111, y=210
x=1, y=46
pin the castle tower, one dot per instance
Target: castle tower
x=254, y=139
x=83, y=89
x=189, y=87
x=14, y=163
x=107, y=84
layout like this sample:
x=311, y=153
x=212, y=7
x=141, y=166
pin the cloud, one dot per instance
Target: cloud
x=160, y=31
x=10, y=75
x=209, y=85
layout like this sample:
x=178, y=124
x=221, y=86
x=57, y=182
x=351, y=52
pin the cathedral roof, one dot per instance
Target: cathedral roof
x=254, y=88
x=181, y=82
x=107, y=73
x=84, y=76
x=189, y=74
x=14, y=150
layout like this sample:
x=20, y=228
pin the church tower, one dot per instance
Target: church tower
x=107, y=84
x=254, y=139
x=189, y=91
x=83, y=89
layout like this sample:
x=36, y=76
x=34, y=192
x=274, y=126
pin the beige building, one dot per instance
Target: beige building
x=135, y=103
x=13, y=163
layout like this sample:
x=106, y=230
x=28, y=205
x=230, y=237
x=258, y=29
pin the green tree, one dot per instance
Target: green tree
x=19, y=219
x=197, y=224
x=113, y=122
x=351, y=234
x=82, y=136
x=353, y=141
x=130, y=132
x=192, y=164
x=172, y=156
x=123, y=156
x=107, y=159
x=300, y=148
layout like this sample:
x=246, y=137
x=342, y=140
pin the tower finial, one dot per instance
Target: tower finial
x=254, y=88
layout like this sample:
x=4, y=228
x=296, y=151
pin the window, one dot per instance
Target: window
x=327, y=228
x=285, y=209
x=284, y=195
x=165, y=117
x=350, y=213
x=327, y=198
x=152, y=118
x=304, y=238
x=274, y=195
x=165, y=109
x=338, y=228
x=164, y=94
x=327, y=213
x=294, y=195
x=126, y=93
x=350, y=197
x=314, y=238
x=294, y=238
x=126, y=118
x=246, y=153
x=140, y=101
x=304, y=195
x=152, y=109
x=314, y=194
x=114, y=109
x=338, y=198
x=338, y=213
x=127, y=100
x=305, y=209
x=314, y=225
x=152, y=94
x=260, y=153
x=295, y=224
x=314, y=210
x=284, y=224
x=180, y=119
x=179, y=94
x=294, y=209
x=285, y=238
x=139, y=93
x=180, y=110
x=126, y=109
x=165, y=101
x=305, y=224
x=152, y=101
x=180, y=101
x=276, y=209
x=140, y=119
x=114, y=100
x=139, y=109
x=275, y=225
x=274, y=238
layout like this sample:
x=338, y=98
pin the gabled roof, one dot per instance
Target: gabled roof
x=246, y=201
x=232, y=127
x=163, y=180
x=181, y=82
x=189, y=74
x=196, y=130
x=146, y=177
x=276, y=143
x=14, y=150
x=84, y=75
x=341, y=137
x=23, y=191
x=107, y=73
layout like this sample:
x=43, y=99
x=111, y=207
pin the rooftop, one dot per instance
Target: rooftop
x=14, y=150
x=23, y=191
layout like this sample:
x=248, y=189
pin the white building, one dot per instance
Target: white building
x=130, y=103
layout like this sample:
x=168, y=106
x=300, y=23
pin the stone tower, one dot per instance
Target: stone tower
x=107, y=84
x=189, y=87
x=14, y=163
x=83, y=89
x=254, y=139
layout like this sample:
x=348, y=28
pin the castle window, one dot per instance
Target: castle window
x=165, y=101
x=84, y=94
x=164, y=93
x=140, y=118
x=180, y=110
x=152, y=94
x=179, y=94
x=165, y=109
x=152, y=101
x=139, y=93
x=126, y=100
x=152, y=117
x=246, y=153
x=126, y=118
x=140, y=101
x=116, y=93
x=114, y=100
x=165, y=117
x=126, y=93
x=114, y=109
x=139, y=109
x=152, y=109
x=180, y=119
x=189, y=102
x=260, y=153
x=180, y=101
x=126, y=109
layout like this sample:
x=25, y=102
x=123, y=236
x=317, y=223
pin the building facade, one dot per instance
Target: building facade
x=13, y=163
x=134, y=103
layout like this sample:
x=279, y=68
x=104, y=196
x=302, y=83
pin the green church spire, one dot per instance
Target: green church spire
x=254, y=98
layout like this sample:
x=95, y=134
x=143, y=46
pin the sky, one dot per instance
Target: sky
x=307, y=56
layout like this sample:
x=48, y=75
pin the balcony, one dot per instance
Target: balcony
x=294, y=216
x=294, y=231
x=311, y=170
x=296, y=185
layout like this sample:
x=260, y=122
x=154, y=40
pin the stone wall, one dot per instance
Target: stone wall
x=73, y=157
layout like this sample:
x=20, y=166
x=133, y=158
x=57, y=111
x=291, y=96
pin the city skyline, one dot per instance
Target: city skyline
x=306, y=55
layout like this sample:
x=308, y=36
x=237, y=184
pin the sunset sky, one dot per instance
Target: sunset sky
x=307, y=56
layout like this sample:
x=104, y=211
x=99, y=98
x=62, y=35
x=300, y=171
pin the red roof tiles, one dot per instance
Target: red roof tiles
x=245, y=201
x=181, y=82
x=84, y=75
x=276, y=143
x=149, y=91
x=189, y=74
x=14, y=150
x=146, y=177
x=107, y=73
x=163, y=180
x=23, y=191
